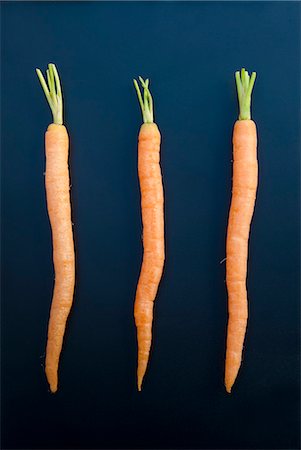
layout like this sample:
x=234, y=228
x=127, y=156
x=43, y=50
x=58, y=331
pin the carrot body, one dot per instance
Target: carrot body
x=245, y=175
x=153, y=240
x=57, y=185
x=244, y=186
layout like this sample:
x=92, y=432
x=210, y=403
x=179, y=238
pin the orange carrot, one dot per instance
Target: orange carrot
x=244, y=186
x=57, y=185
x=151, y=187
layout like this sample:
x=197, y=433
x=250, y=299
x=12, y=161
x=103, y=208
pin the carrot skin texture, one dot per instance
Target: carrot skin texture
x=244, y=187
x=57, y=183
x=152, y=206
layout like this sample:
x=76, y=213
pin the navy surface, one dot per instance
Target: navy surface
x=190, y=51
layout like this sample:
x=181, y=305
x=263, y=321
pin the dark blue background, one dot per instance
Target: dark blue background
x=190, y=51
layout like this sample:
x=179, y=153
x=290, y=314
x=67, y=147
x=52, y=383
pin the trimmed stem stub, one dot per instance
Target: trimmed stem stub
x=244, y=84
x=146, y=102
x=53, y=92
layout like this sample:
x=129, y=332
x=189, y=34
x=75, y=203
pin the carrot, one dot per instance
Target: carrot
x=57, y=185
x=151, y=187
x=244, y=186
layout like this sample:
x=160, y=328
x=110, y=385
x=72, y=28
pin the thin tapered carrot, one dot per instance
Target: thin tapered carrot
x=57, y=183
x=151, y=187
x=244, y=187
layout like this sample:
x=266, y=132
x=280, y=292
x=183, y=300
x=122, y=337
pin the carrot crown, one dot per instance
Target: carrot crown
x=53, y=92
x=146, y=102
x=244, y=84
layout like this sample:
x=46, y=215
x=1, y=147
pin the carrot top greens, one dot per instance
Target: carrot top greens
x=146, y=102
x=53, y=92
x=244, y=84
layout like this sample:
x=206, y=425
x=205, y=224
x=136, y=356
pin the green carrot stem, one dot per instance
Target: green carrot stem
x=146, y=102
x=53, y=92
x=244, y=84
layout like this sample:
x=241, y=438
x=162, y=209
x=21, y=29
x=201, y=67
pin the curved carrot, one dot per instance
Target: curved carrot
x=151, y=187
x=245, y=179
x=57, y=185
